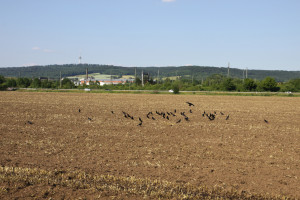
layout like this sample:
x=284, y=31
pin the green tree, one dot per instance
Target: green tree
x=292, y=86
x=175, y=88
x=296, y=84
x=269, y=84
x=2, y=79
x=67, y=83
x=11, y=82
x=36, y=83
x=214, y=82
x=3, y=84
x=23, y=82
x=138, y=81
x=249, y=84
x=228, y=84
x=45, y=84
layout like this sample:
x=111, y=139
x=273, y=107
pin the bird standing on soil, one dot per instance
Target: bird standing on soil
x=29, y=122
x=266, y=121
x=227, y=117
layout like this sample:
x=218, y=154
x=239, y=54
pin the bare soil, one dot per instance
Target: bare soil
x=256, y=150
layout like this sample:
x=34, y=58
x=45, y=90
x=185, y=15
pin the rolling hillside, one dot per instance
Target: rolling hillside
x=198, y=72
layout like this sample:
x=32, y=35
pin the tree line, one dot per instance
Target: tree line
x=215, y=82
x=25, y=82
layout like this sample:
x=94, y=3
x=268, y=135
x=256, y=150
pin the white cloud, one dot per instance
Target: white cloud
x=42, y=50
x=36, y=48
x=168, y=1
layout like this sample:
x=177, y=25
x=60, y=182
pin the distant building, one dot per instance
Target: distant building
x=43, y=78
x=102, y=82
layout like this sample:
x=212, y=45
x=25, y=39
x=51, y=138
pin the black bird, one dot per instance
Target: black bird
x=153, y=118
x=178, y=121
x=29, y=122
x=266, y=121
x=190, y=104
x=90, y=119
x=221, y=113
x=148, y=116
x=167, y=118
x=211, y=117
x=79, y=110
x=140, y=120
x=187, y=119
x=175, y=111
x=191, y=111
x=112, y=112
x=203, y=115
x=140, y=124
x=227, y=117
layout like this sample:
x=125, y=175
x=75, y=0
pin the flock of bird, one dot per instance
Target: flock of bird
x=168, y=115
x=171, y=115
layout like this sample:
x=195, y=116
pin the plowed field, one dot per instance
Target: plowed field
x=50, y=149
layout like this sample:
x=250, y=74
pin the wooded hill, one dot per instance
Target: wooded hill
x=188, y=72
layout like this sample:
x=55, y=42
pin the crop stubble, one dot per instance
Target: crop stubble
x=243, y=153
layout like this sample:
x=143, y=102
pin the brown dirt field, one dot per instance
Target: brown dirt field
x=243, y=154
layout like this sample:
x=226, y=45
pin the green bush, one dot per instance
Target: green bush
x=175, y=88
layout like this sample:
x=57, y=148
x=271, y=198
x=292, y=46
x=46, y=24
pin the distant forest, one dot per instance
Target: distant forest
x=186, y=72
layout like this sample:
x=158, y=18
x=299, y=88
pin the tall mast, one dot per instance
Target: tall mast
x=228, y=70
x=143, y=78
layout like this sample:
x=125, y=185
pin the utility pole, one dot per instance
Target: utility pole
x=87, y=73
x=60, y=79
x=158, y=76
x=110, y=77
x=228, y=69
x=143, y=78
x=135, y=75
x=246, y=72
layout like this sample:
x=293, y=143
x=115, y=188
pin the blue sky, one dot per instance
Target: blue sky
x=257, y=34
